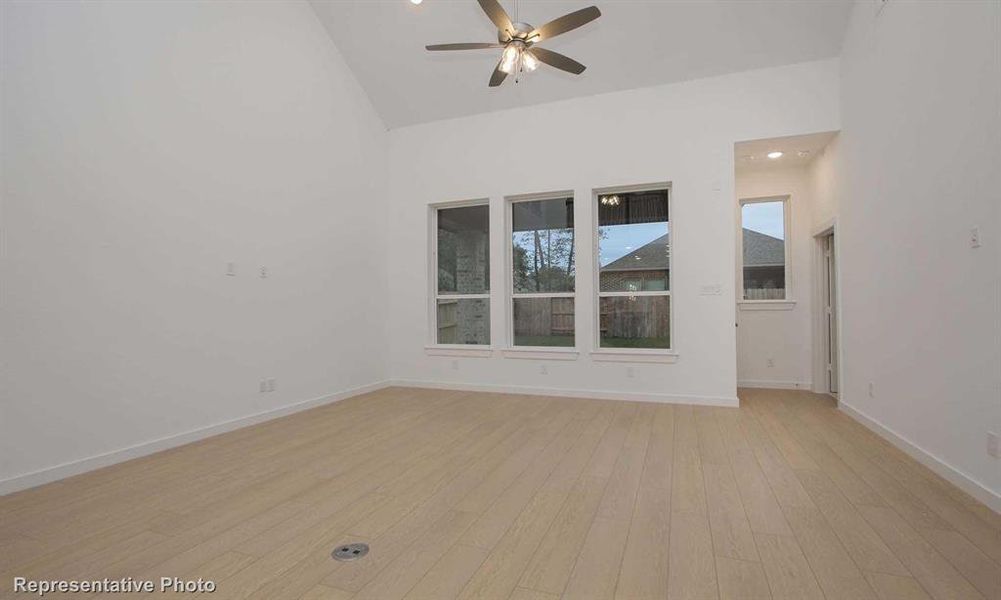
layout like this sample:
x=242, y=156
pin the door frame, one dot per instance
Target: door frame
x=819, y=322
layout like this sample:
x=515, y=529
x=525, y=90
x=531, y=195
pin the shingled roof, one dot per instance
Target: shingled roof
x=760, y=250
x=649, y=257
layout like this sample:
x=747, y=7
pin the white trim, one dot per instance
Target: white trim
x=819, y=364
x=432, y=272
x=598, y=352
x=824, y=228
x=766, y=304
x=541, y=353
x=774, y=385
x=635, y=293
x=950, y=473
x=463, y=296
x=726, y=401
x=544, y=294
x=468, y=350
x=785, y=199
x=83, y=465
x=638, y=355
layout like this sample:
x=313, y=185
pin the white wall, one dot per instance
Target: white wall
x=824, y=192
x=682, y=133
x=784, y=336
x=145, y=146
x=920, y=151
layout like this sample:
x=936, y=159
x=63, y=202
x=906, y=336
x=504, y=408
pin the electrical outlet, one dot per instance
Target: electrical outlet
x=992, y=445
x=872, y=390
x=272, y=384
x=231, y=269
x=543, y=370
x=262, y=386
x=771, y=362
x=264, y=272
x=630, y=372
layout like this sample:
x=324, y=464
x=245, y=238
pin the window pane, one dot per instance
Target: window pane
x=634, y=245
x=764, y=250
x=464, y=250
x=635, y=321
x=543, y=322
x=543, y=246
x=464, y=321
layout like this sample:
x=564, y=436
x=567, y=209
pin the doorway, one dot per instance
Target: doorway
x=828, y=312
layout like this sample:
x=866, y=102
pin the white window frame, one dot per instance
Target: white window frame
x=661, y=355
x=432, y=347
x=788, y=302
x=535, y=352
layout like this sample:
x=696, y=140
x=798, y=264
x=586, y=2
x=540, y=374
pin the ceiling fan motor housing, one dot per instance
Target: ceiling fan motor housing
x=521, y=31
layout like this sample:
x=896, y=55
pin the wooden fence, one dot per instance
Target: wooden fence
x=543, y=316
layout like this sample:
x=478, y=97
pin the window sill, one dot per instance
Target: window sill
x=541, y=353
x=634, y=355
x=459, y=350
x=767, y=304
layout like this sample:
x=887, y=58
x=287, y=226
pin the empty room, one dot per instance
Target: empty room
x=500, y=299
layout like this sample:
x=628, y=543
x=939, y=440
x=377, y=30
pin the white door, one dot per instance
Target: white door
x=831, y=313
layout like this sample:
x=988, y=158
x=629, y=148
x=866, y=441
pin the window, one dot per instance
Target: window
x=462, y=264
x=543, y=272
x=763, y=254
x=634, y=278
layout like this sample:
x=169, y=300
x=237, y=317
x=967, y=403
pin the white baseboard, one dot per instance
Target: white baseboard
x=942, y=468
x=775, y=385
x=50, y=474
x=729, y=401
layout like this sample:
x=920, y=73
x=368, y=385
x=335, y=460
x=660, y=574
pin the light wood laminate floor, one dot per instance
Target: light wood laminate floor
x=475, y=495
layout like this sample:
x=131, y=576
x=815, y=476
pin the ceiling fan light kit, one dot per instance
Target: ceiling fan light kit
x=518, y=40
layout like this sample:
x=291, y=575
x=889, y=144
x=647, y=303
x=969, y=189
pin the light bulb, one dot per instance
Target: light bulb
x=775, y=154
x=509, y=59
x=529, y=62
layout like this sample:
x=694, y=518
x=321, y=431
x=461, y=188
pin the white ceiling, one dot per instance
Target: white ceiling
x=635, y=43
x=797, y=150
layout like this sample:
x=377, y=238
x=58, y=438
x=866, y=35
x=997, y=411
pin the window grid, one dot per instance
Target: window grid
x=514, y=294
x=597, y=195
x=436, y=295
x=766, y=295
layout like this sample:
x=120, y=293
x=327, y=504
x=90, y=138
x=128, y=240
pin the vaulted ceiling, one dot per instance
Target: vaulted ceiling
x=636, y=43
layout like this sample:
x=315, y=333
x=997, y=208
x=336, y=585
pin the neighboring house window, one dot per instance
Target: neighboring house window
x=634, y=279
x=763, y=234
x=462, y=264
x=543, y=271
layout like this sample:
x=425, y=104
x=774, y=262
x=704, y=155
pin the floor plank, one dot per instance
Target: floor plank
x=482, y=495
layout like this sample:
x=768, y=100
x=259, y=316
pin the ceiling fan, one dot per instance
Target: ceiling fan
x=518, y=41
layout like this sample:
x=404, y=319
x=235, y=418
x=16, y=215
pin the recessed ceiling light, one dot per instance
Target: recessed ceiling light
x=747, y=157
x=803, y=153
x=774, y=155
x=416, y=1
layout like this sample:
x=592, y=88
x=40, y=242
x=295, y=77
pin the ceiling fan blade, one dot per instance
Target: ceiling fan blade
x=564, y=24
x=469, y=46
x=497, y=14
x=498, y=76
x=555, y=59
